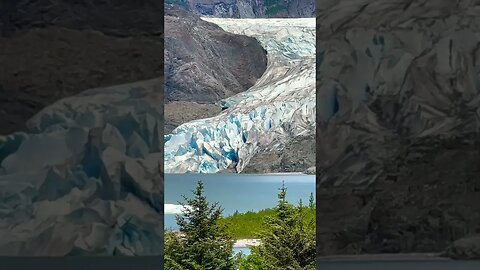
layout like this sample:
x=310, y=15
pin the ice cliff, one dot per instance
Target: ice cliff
x=409, y=71
x=280, y=106
x=398, y=160
x=86, y=178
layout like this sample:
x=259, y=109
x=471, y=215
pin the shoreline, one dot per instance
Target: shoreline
x=246, y=243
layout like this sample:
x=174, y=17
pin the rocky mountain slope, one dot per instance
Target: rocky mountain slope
x=138, y=18
x=249, y=8
x=279, y=107
x=397, y=141
x=298, y=155
x=467, y=248
x=204, y=64
x=53, y=49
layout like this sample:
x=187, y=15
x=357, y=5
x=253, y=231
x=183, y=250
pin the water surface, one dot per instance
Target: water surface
x=237, y=192
x=244, y=250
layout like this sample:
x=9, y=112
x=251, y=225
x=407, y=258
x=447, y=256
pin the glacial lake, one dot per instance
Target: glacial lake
x=244, y=250
x=237, y=192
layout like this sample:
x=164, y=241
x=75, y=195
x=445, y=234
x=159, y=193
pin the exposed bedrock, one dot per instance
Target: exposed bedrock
x=203, y=63
x=297, y=155
x=279, y=107
x=51, y=49
x=249, y=8
x=467, y=248
x=122, y=18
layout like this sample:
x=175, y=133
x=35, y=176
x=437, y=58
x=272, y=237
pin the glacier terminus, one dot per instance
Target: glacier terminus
x=280, y=106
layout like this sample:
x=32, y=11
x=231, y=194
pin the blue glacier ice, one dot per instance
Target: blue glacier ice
x=280, y=105
x=87, y=168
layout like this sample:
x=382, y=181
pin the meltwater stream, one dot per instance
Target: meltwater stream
x=280, y=106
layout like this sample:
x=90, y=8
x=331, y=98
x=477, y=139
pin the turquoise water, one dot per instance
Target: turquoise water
x=423, y=265
x=245, y=251
x=237, y=192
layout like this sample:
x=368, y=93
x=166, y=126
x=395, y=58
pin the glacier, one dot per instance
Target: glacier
x=85, y=177
x=279, y=106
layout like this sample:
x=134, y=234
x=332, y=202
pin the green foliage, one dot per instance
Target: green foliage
x=202, y=243
x=173, y=246
x=311, y=202
x=289, y=239
x=252, y=262
x=246, y=225
x=286, y=232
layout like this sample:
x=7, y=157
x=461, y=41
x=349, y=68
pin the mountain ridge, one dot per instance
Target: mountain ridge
x=248, y=8
x=203, y=65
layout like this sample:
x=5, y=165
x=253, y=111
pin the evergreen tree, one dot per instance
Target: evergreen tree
x=173, y=251
x=252, y=262
x=288, y=243
x=201, y=243
x=311, y=202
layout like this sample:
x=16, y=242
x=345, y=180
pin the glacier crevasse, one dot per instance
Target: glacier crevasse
x=281, y=104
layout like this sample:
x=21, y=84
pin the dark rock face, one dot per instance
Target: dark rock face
x=204, y=64
x=398, y=155
x=123, y=18
x=426, y=197
x=467, y=248
x=53, y=49
x=179, y=112
x=297, y=156
x=249, y=8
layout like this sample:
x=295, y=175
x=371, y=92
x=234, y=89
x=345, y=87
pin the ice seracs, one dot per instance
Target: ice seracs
x=88, y=167
x=281, y=104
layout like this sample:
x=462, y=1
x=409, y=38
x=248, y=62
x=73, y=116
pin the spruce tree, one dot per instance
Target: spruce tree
x=288, y=243
x=311, y=202
x=201, y=243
